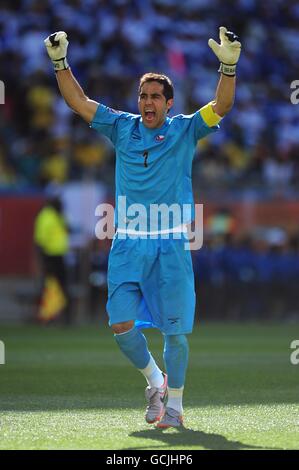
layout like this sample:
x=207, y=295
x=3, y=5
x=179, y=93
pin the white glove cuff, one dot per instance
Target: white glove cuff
x=228, y=69
x=60, y=64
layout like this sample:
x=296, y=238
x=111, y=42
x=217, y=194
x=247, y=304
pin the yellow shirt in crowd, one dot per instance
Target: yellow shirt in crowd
x=50, y=232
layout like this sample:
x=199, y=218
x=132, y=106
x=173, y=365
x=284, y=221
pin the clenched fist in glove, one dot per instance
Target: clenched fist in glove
x=228, y=51
x=56, y=45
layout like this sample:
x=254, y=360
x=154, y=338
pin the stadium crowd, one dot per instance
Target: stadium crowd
x=112, y=42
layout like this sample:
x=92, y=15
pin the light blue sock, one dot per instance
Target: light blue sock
x=134, y=346
x=176, y=353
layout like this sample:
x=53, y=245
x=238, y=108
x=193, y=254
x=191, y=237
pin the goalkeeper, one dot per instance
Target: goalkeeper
x=150, y=278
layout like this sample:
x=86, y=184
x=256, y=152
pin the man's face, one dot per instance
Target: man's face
x=152, y=104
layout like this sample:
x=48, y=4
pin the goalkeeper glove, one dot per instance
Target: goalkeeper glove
x=228, y=51
x=56, y=45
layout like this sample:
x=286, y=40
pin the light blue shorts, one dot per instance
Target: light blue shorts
x=151, y=282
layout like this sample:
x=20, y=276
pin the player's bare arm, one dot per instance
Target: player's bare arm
x=225, y=95
x=74, y=96
x=228, y=53
x=70, y=89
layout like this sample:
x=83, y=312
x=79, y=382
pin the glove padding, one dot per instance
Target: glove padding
x=57, y=45
x=228, y=51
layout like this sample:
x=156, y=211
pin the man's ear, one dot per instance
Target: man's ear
x=169, y=104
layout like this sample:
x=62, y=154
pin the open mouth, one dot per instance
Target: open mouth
x=150, y=115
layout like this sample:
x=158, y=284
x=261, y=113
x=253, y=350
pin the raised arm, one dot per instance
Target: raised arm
x=228, y=53
x=225, y=95
x=74, y=96
x=70, y=89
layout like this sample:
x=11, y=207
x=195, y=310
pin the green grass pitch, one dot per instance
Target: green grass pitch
x=72, y=389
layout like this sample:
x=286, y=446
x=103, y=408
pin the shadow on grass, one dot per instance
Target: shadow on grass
x=187, y=437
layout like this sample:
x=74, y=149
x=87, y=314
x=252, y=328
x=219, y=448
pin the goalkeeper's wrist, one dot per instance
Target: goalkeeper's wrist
x=60, y=64
x=227, y=69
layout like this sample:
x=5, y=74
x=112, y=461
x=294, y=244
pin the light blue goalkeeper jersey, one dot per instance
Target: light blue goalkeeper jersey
x=153, y=166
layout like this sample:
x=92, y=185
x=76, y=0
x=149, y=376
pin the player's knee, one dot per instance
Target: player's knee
x=122, y=327
x=176, y=340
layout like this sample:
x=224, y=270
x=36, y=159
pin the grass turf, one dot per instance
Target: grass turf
x=72, y=389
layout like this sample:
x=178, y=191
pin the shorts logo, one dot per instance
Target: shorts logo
x=173, y=321
x=159, y=138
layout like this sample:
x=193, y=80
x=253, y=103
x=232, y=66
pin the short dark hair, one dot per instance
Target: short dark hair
x=168, y=90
